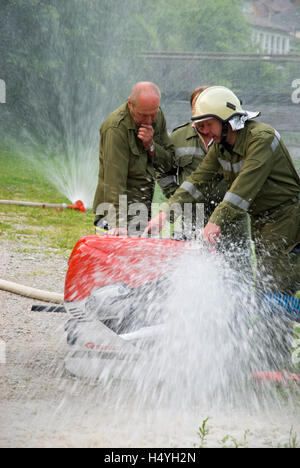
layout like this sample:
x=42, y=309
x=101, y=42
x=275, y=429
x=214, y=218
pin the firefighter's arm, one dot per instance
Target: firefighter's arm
x=248, y=184
x=164, y=152
x=188, y=192
x=196, y=187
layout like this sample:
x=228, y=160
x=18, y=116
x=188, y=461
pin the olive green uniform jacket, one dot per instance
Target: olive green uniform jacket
x=125, y=167
x=262, y=182
x=190, y=151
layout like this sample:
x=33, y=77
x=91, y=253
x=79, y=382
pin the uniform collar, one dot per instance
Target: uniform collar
x=191, y=132
x=238, y=147
x=130, y=123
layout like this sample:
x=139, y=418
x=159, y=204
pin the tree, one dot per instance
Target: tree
x=69, y=63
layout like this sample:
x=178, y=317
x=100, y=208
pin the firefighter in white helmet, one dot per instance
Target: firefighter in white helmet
x=263, y=183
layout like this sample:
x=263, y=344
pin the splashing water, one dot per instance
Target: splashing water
x=213, y=335
x=200, y=356
x=199, y=367
x=71, y=168
x=74, y=175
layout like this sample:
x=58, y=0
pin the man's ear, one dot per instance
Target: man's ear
x=130, y=105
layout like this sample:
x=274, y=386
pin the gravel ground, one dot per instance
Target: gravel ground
x=33, y=340
x=42, y=406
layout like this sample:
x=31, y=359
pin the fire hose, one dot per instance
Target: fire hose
x=78, y=205
x=33, y=293
x=26, y=291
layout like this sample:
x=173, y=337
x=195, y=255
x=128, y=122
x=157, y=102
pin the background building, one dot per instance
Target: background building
x=275, y=25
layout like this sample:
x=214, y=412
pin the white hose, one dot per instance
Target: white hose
x=33, y=204
x=33, y=293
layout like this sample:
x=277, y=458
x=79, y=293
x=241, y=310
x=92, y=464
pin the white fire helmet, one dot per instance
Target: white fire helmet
x=221, y=103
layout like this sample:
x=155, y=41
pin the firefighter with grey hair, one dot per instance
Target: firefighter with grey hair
x=134, y=144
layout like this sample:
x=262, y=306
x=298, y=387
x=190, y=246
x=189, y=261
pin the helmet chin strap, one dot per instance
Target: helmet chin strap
x=224, y=132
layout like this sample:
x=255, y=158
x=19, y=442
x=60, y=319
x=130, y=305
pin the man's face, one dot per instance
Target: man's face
x=145, y=110
x=210, y=129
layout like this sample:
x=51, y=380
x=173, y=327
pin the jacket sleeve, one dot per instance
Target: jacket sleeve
x=196, y=187
x=245, y=188
x=163, y=160
x=168, y=183
x=114, y=157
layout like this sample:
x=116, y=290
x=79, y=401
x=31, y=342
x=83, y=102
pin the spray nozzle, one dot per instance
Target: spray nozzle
x=78, y=205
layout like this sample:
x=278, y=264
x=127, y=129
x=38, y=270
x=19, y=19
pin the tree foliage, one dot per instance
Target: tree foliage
x=67, y=63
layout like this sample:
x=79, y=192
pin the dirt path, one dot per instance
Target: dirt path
x=42, y=406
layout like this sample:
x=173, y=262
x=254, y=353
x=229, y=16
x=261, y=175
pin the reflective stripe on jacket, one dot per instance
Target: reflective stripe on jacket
x=189, y=153
x=259, y=171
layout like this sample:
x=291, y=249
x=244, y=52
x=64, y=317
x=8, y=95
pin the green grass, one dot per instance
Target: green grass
x=228, y=441
x=38, y=227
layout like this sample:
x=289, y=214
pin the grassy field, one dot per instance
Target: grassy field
x=45, y=228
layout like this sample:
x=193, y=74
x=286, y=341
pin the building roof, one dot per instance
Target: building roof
x=272, y=7
x=290, y=19
x=282, y=15
x=265, y=23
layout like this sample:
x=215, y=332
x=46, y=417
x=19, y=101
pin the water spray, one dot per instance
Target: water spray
x=78, y=205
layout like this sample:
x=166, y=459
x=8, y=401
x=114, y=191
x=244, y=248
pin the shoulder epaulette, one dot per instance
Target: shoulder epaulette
x=181, y=126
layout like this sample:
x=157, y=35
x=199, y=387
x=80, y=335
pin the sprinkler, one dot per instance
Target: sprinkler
x=78, y=205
